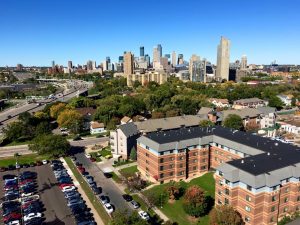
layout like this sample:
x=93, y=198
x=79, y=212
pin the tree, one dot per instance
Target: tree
x=40, y=115
x=123, y=217
x=133, y=154
x=154, y=199
x=70, y=119
x=194, y=202
x=225, y=215
x=274, y=101
x=294, y=101
x=55, y=110
x=134, y=182
x=42, y=128
x=233, y=121
x=18, y=131
x=173, y=190
x=156, y=115
x=53, y=145
x=206, y=123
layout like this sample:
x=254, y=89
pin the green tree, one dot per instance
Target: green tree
x=70, y=119
x=18, y=131
x=155, y=198
x=49, y=144
x=225, y=215
x=274, y=101
x=42, y=128
x=194, y=202
x=55, y=110
x=293, y=102
x=206, y=123
x=233, y=121
x=133, y=154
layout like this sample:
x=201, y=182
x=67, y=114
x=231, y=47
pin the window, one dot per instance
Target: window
x=273, y=208
x=272, y=220
x=180, y=151
x=204, y=153
x=248, y=198
x=147, y=154
x=180, y=173
x=203, y=167
x=287, y=190
x=203, y=160
x=216, y=159
x=286, y=199
x=195, y=160
x=249, y=188
x=181, y=158
x=226, y=191
x=220, y=183
x=274, y=198
x=298, y=199
x=195, y=153
x=161, y=175
x=226, y=201
x=161, y=153
x=171, y=151
x=147, y=162
x=147, y=168
x=219, y=202
x=195, y=168
x=172, y=159
x=219, y=192
x=247, y=208
x=171, y=166
x=285, y=209
x=147, y=147
x=161, y=168
x=161, y=160
x=171, y=174
x=247, y=219
x=227, y=182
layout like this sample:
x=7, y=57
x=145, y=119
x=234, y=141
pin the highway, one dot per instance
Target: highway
x=23, y=149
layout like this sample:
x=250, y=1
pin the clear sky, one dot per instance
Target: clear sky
x=34, y=32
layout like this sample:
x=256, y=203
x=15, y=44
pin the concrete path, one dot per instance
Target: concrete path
x=97, y=218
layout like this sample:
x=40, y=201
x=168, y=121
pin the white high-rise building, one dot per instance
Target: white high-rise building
x=156, y=55
x=174, y=59
x=223, y=59
x=194, y=58
x=244, y=62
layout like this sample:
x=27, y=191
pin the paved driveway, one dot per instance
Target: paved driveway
x=108, y=186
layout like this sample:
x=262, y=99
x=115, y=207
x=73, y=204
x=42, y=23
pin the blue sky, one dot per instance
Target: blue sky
x=34, y=32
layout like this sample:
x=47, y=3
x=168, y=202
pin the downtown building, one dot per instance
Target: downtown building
x=259, y=177
x=223, y=56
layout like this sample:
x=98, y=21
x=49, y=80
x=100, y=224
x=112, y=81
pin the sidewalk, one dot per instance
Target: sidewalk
x=97, y=218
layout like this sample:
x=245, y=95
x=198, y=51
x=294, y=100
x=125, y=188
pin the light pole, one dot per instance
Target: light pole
x=161, y=200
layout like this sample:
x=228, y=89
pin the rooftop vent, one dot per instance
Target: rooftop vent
x=253, y=165
x=276, y=144
x=268, y=153
x=242, y=161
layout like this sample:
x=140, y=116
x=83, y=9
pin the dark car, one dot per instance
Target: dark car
x=96, y=190
x=2, y=169
x=127, y=198
x=34, y=221
x=11, y=167
x=28, y=175
x=8, y=176
x=107, y=175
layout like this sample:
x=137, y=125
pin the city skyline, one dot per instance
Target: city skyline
x=38, y=32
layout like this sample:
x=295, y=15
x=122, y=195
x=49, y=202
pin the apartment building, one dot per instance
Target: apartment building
x=159, y=77
x=249, y=103
x=124, y=137
x=257, y=176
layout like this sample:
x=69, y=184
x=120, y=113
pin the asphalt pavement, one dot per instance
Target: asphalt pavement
x=109, y=188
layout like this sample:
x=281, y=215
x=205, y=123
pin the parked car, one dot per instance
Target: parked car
x=108, y=207
x=45, y=161
x=144, y=215
x=134, y=204
x=68, y=188
x=127, y=198
x=30, y=216
x=103, y=199
x=88, y=155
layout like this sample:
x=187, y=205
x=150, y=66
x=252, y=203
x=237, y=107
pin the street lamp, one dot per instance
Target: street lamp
x=161, y=200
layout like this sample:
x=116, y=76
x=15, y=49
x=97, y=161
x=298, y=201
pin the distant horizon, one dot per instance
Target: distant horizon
x=37, y=32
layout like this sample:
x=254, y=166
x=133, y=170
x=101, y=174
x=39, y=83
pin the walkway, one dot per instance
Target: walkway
x=85, y=198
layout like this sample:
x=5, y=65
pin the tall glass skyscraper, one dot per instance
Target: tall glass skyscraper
x=142, y=51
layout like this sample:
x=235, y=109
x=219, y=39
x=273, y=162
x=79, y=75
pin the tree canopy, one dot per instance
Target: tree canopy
x=233, y=121
x=71, y=119
x=225, y=215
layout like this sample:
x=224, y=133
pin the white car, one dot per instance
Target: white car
x=144, y=215
x=68, y=188
x=26, y=194
x=14, y=222
x=87, y=155
x=45, y=161
x=31, y=216
x=108, y=208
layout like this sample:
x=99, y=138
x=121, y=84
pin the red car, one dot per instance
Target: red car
x=29, y=203
x=26, y=181
x=65, y=185
x=81, y=170
x=12, y=216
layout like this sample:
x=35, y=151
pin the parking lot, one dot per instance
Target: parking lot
x=55, y=205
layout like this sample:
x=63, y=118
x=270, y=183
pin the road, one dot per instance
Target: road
x=109, y=188
x=23, y=149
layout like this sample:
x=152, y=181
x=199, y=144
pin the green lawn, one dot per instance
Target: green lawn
x=129, y=170
x=175, y=210
x=105, y=152
x=4, y=162
x=94, y=155
x=116, y=178
x=121, y=163
x=97, y=205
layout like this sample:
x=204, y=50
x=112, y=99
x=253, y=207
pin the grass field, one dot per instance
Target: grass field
x=97, y=205
x=175, y=210
x=4, y=162
x=129, y=170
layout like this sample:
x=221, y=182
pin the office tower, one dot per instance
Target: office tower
x=89, y=65
x=121, y=59
x=94, y=66
x=164, y=62
x=70, y=65
x=156, y=56
x=180, y=59
x=108, y=59
x=159, y=48
x=128, y=63
x=223, y=59
x=19, y=67
x=142, y=51
x=53, y=64
x=194, y=58
x=244, y=62
x=167, y=56
x=147, y=58
x=174, y=59
x=104, y=65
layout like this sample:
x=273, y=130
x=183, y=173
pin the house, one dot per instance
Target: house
x=219, y=102
x=249, y=103
x=124, y=137
x=125, y=120
x=87, y=114
x=97, y=128
x=286, y=99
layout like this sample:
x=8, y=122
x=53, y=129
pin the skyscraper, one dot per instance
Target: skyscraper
x=180, y=59
x=244, y=62
x=128, y=63
x=174, y=59
x=89, y=65
x=142, y=51
x=70, y=65
x=223, y=59
x=53, y=64
x=147, y=58
x=194, y=58
x=156, y=56
x=159, y=48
